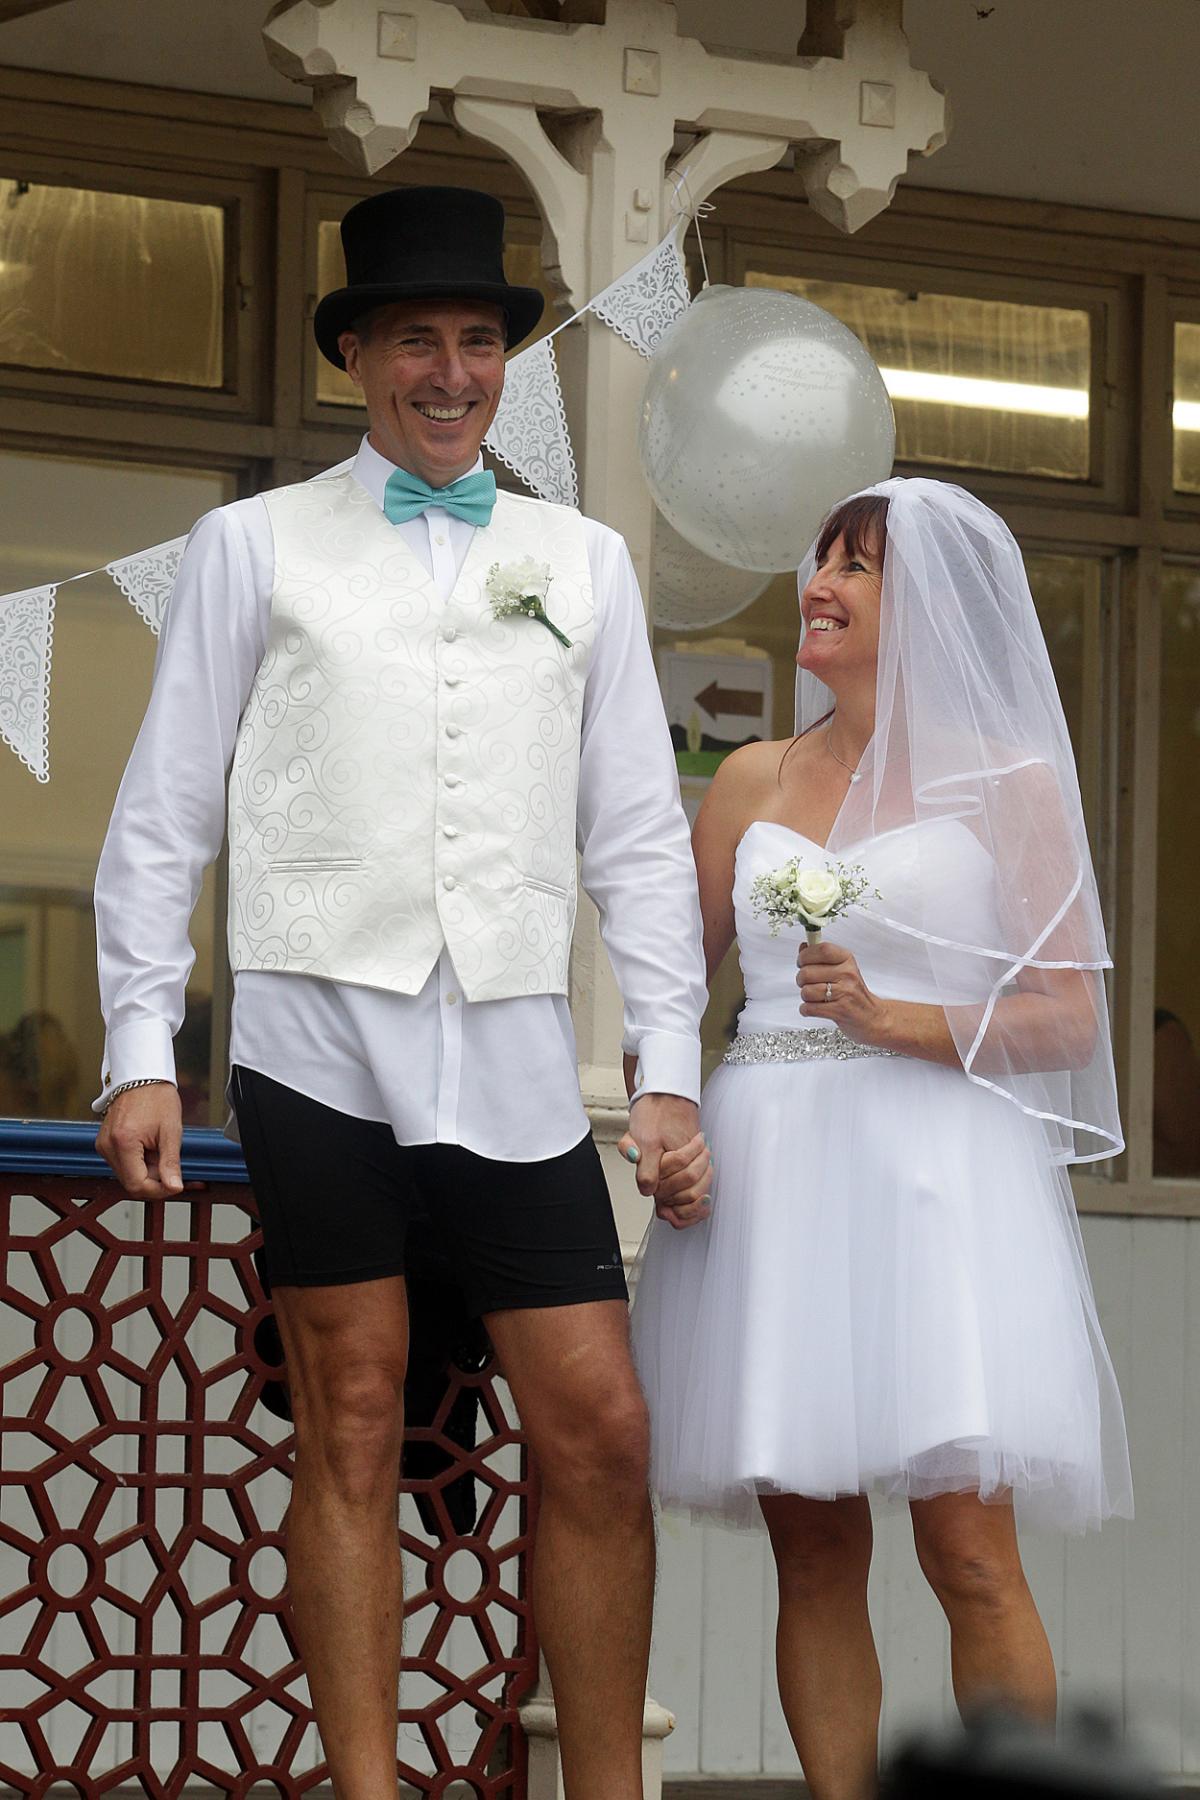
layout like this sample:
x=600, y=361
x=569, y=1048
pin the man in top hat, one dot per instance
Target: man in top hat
x=411, y=765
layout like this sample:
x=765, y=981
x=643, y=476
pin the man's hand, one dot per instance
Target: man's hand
x=672, y=1158
x=140, y=1139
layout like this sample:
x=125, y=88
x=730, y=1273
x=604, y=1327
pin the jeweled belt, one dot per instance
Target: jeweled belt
x=802, y=1043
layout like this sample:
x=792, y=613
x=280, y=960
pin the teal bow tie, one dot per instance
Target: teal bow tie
x=471, y=497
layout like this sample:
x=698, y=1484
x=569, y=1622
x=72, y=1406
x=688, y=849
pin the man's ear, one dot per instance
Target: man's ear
x=350, y=348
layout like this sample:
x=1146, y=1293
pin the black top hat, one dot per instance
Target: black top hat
x=423, y=243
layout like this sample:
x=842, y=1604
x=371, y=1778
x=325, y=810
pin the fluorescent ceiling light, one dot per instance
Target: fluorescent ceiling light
x=994, y=396
x=1009, y=396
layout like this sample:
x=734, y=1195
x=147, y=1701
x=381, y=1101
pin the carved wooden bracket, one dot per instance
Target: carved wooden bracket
x=589, y=112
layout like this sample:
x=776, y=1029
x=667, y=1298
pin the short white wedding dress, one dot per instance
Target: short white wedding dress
x=890, y=1295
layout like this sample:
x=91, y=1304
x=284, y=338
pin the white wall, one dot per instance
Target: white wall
x=1122, y=1607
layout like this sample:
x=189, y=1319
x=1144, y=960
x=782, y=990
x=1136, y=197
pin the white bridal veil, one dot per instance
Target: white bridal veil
x=970, y=737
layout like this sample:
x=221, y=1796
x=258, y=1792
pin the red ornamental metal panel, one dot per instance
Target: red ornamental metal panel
x=144, y=1633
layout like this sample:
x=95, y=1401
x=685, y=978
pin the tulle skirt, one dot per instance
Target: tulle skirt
x=890, y=1296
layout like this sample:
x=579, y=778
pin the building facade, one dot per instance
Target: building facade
x=168, y=216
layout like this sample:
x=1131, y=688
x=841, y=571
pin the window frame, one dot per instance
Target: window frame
x=239, y=392
x=1183, y=308
x=1099, y=301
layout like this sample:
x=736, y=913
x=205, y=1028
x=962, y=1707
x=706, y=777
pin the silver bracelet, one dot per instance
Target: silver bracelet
x=142, y=1081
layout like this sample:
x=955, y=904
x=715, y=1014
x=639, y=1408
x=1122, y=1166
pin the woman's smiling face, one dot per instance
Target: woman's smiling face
x=840, y=612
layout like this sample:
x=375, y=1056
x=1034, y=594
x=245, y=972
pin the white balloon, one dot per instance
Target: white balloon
x=688, y=590
x=761, y=411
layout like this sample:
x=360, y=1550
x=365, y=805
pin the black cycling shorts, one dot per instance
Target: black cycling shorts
x=336, y=1194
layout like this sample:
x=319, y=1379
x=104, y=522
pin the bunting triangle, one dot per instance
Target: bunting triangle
x=643, y=304
x=529, y=432
x=147, y=578
x=26, y=639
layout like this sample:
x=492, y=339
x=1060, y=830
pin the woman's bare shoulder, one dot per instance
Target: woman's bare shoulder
x=752, y=765
x=742, y=782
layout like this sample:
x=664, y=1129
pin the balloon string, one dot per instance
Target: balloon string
x=695, y=211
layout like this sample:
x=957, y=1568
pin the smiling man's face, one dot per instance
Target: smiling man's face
x=431, y=374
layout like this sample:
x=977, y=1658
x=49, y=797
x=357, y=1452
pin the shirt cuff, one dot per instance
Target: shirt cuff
x=141, y=1051
x=667, y=1064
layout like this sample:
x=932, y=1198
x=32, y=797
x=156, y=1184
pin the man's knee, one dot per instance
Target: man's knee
x=597, y=1454
x=350, y=1426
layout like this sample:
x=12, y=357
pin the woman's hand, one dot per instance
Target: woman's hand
x=831, y=987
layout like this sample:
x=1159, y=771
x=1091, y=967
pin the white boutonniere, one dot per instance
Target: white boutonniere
x=521, y=587
x=793, y=895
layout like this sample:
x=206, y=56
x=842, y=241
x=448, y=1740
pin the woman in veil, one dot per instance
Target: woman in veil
x=891, y=1295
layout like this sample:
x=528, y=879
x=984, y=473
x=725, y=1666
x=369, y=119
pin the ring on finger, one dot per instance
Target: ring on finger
x=828, y=992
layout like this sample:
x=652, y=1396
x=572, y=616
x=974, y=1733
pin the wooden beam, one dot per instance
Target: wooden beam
x=17, y=9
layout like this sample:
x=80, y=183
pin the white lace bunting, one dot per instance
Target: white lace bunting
x=645, y=302
x=529, y=433
x=147, y=578
x=26, y=641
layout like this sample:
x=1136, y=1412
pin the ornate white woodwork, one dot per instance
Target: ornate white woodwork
x=855, y=118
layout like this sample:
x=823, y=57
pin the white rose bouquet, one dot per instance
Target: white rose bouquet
x=521, y=588
x=793, y=895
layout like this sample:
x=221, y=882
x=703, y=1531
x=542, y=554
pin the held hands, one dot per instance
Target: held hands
x=140, y=1139
x=665, y=1143
x=831, y=987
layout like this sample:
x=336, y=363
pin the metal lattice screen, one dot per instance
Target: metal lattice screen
x=144, y=1636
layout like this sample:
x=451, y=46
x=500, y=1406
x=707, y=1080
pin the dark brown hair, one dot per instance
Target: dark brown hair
x=861, y=522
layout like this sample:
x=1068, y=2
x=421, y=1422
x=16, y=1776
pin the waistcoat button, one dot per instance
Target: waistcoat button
x=449, y=882
x=449, y=633
x=449, y=830
x=453, y=731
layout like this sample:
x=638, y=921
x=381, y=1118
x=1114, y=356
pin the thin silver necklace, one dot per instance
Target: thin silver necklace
x=853, y=772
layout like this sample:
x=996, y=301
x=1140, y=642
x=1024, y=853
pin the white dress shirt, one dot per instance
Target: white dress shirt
x=498, y=1076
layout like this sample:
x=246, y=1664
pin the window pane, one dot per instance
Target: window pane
x=1177, y=967
x=63, y=515
x=522, y=265
x=111, y=284
x=983, y=384
x=1187, y=408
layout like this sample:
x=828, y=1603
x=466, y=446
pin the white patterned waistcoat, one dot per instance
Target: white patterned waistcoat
x=406, y=768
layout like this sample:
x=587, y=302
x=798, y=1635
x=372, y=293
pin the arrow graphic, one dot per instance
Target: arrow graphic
x=741, y=702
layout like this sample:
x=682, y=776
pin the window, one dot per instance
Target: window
x=160, y=265
x=980, y=384
x=1186, y=417
x=68, y=514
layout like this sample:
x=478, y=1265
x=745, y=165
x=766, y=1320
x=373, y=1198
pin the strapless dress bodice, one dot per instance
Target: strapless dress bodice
x=933, y=876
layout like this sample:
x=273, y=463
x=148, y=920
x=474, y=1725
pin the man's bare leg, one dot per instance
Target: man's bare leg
x=346, y=1350
x=582, y=1411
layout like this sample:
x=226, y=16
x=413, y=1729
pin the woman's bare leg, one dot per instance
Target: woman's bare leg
x=998, y=1645
x=829, y=1679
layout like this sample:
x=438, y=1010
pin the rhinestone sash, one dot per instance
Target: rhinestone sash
x=799, y=1044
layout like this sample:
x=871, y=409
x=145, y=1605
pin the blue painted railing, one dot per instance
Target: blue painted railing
x=53, y=1147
